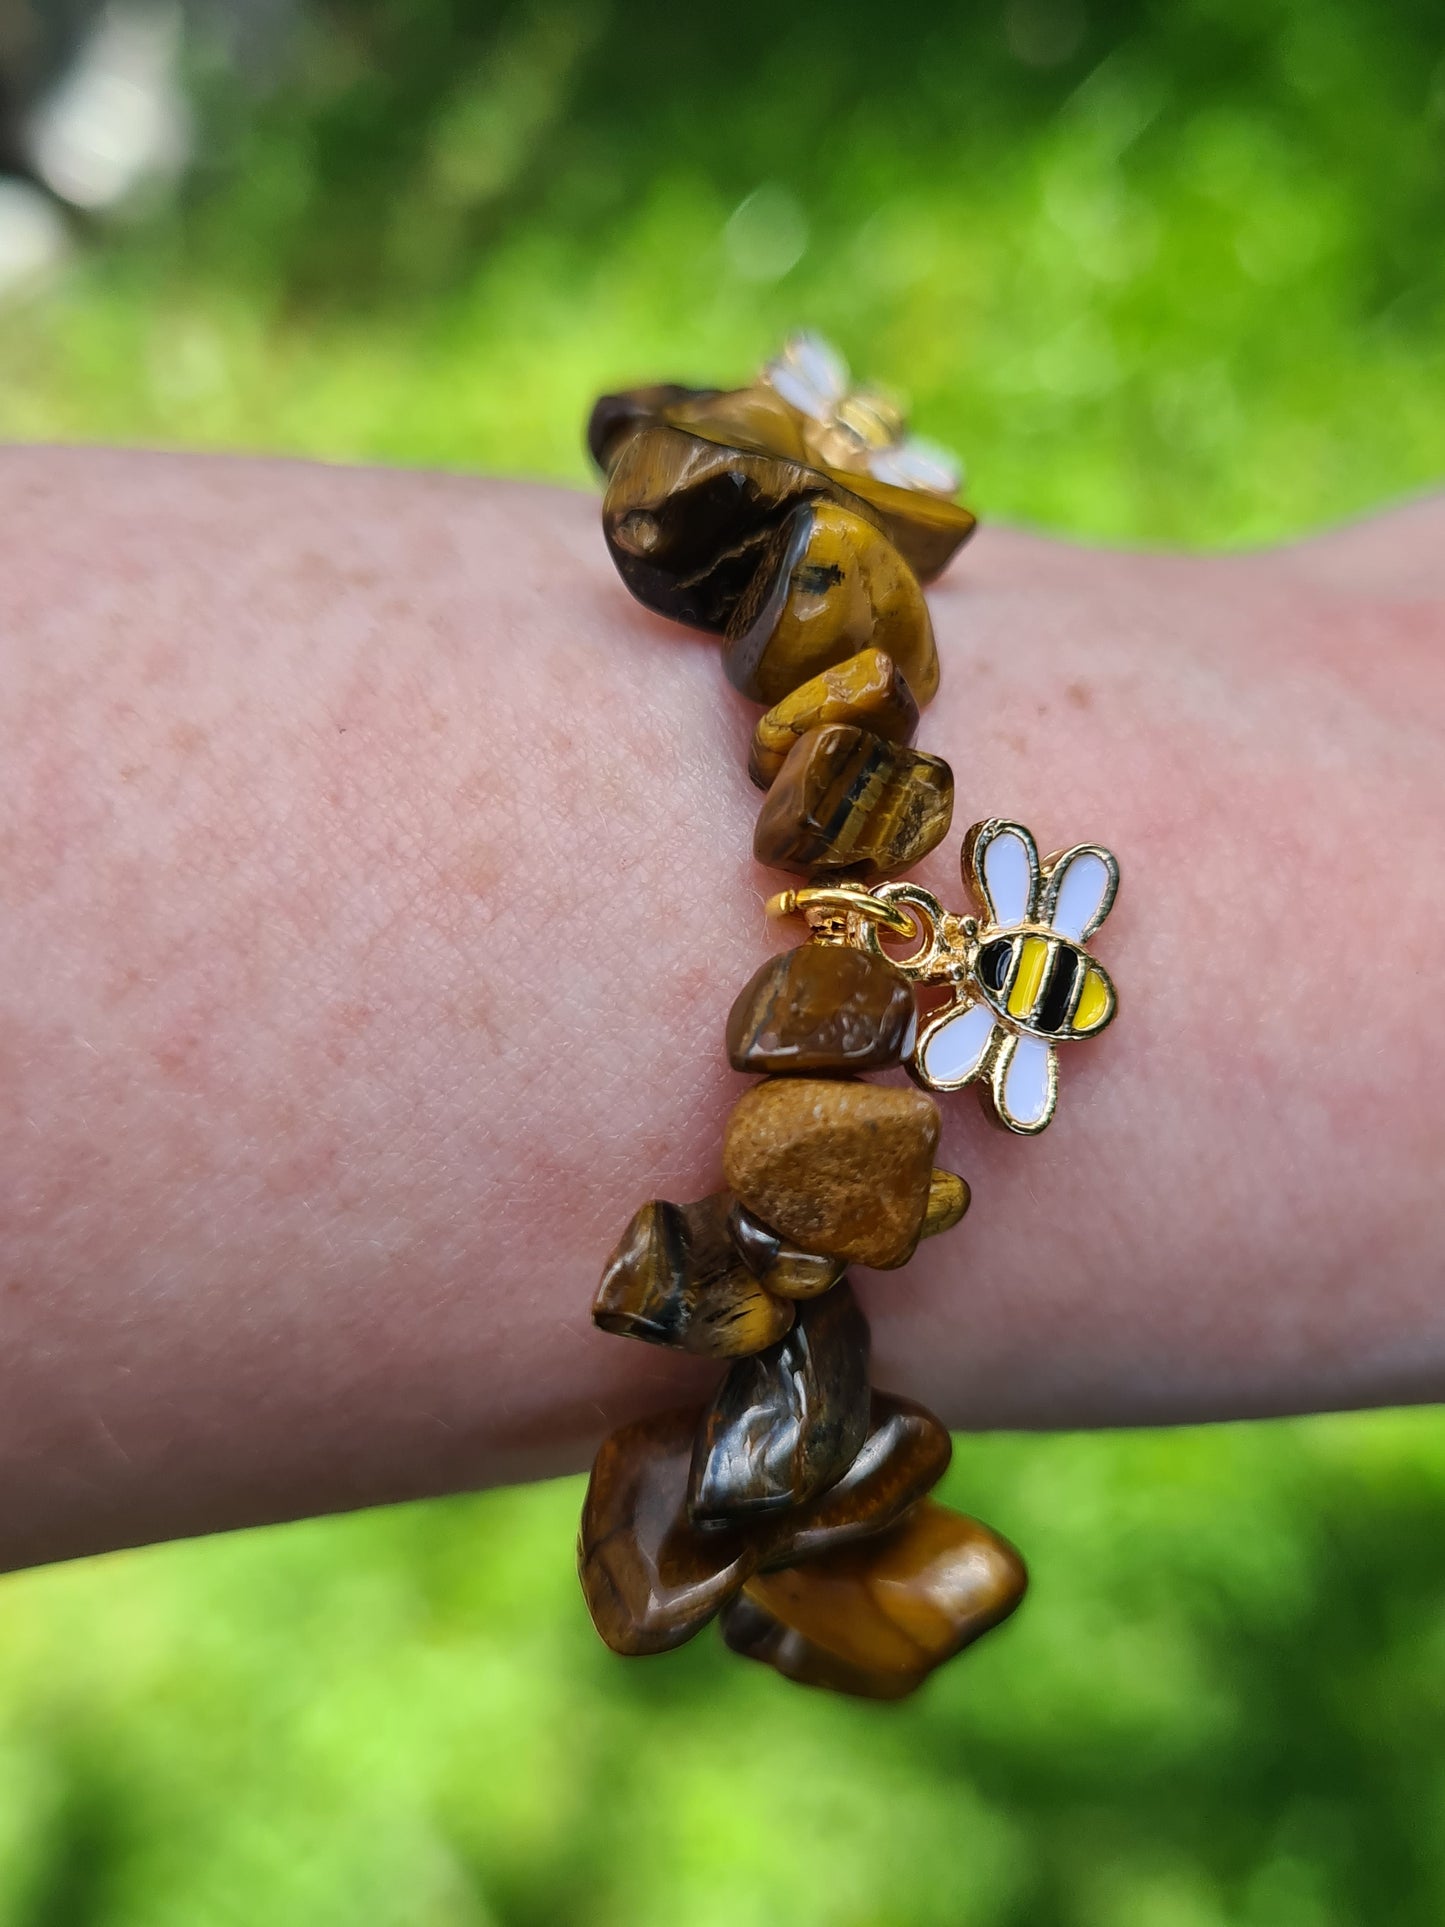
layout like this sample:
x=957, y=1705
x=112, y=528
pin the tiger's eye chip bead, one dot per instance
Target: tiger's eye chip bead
x=926, y=529
x=835, y=1166
x=948, y=1199
x=782, y=1267
x=822, y=1007
x=677, y=1278
x=788, y=1422
x=876, y=1618
x=868, y=689
x=793, y=1506
x=828, y=584
x=848, y=804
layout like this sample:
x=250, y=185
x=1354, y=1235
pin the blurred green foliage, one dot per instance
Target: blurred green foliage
x=1163, y=272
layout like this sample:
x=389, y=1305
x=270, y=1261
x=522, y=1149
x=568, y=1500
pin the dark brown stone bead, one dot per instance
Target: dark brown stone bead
x=788, y=1422
x=780, y=1267
x=889, y=1608
x=676, y=1278
x=829, y=584
x=822, y=1007
x=948, y=1199
x=847, y=804
x=615, y=417
x=650, y=1577
x=904, y=1456
x=688, y=521
x=834, y=1166
x=868, y=689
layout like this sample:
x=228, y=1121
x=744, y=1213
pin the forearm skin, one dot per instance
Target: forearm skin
x=374, y=884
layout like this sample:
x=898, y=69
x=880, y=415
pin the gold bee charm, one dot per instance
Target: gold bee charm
x=1025, y=983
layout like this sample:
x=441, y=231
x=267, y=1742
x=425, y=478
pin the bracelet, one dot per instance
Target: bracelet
x=796, y=519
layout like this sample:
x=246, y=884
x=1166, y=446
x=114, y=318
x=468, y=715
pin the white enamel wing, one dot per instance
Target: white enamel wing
x=813, y=377
x=1029, y=985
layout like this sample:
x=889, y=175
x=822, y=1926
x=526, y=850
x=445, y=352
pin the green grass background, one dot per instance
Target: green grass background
x=1165, y=273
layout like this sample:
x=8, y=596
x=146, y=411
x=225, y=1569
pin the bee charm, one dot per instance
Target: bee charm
x=1025, y=983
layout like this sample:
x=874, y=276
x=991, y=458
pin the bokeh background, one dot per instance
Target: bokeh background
x=1165, y=271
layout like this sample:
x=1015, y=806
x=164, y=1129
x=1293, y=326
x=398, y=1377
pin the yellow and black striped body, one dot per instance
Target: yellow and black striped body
x=1043, y=984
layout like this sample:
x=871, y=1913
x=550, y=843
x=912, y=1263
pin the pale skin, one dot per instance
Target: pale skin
x=375, y=879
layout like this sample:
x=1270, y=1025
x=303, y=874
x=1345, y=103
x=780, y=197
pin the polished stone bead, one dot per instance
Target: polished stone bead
x=751, y=1631
x=903, y=1457
x=788, y=1422
x=615, y=418
x=847, y=804
x=948, y=1199
x=867, y=689
x=676, y=1278
x=689, y=522
x=651, y=1578
x=927, y=530
x=892, y=1607
x=834, y=1166
x=754, y=418
x=830, y=584
x=781, y=1267
x=822, y=1007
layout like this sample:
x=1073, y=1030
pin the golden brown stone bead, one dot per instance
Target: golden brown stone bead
x=927, y=530
x=676, y=1278
x=750, y=418
x=616, y=417
x=903, y=1457
x=948, y=1199
x=833, y=1166
x=788, y=1422
x=896, y=1605
x=828, y=584
x=867, y=689
x=847, y=804
x=688, y=522
x=651, y=1578
x=781, y=1267
x=822, y=1007
x=751, y=1631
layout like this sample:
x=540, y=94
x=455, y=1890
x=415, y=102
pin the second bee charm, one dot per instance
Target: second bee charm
x=1024, y=983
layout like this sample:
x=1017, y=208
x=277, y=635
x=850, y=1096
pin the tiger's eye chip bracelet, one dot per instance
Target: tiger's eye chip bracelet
x=797, y=520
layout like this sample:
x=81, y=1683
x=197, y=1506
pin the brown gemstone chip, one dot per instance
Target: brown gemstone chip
x=781, y=1267
x=886, y=1610
x=927, y=530
x=615, y=418
x=789, y=1421
x=848, y=804
x=903, y=1457
x=948, y=1198
x=829, y=583
x=834, y=1166
x=868, y=689
x=689, y=522
x=676, y=1278
x=822, y=1007
x=651, y=1578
